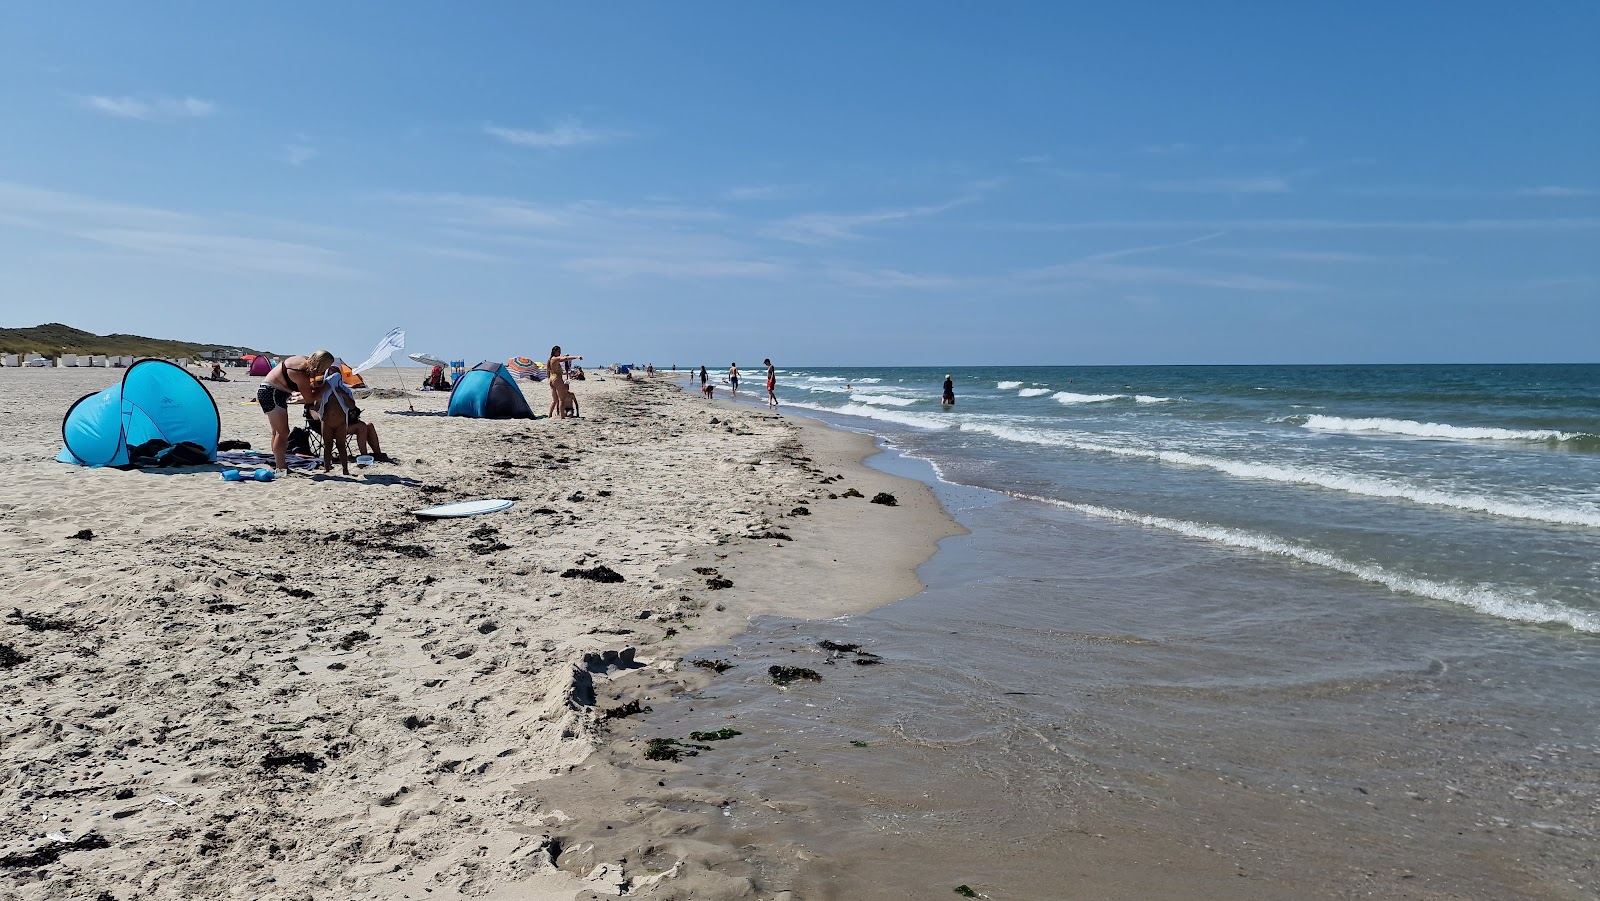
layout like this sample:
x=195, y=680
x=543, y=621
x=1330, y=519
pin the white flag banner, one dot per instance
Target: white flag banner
x=395, y=340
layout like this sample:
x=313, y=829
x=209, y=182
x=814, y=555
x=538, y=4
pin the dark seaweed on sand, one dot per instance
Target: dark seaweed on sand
x=718, y=735
x=304, y=761
x=601, y=573
x=351, y=640
x=10, y=656
x=841, y=647
x=783, y=675
x=716, y=666
x=49, y=854
x=671, y=749
x=622, y=710
x=36, y=623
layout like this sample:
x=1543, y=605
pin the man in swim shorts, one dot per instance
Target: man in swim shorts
x=772, y=383
x=733, y=377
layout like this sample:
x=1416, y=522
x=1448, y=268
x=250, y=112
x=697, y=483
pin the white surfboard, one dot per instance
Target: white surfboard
x=465, y=508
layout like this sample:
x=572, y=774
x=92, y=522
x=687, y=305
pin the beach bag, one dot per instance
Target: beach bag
x=300, y=442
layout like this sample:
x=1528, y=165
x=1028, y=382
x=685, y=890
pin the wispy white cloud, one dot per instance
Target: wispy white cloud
x=148, y=108
x=630, y=267
x=761, y=192
x=299, y=151
x=1092, y=273
x=163, y=236
x=826, y=228
x=895, y=279
x=1559, y=191
x=602, y=240
x=1267, y=147
x=1152, y=248
x=1297, y=256
x=1577, y=223
x=458, y=253
x=566, y=133
x=1248, y=184
x=1174, y=148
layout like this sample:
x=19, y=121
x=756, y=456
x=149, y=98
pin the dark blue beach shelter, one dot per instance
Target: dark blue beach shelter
x=155, y=399
x=488, y=391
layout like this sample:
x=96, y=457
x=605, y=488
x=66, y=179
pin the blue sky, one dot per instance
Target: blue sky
x=822, y=183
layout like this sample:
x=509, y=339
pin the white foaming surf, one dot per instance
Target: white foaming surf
x=1007, y=386
x=1033, y=392
x=1367, y=486
x=867, y=411
x=882, y=399
x=1480, y=598
x=1432, y=429
x=1068, y=397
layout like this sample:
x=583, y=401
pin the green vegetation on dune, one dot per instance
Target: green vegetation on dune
x=53, y=339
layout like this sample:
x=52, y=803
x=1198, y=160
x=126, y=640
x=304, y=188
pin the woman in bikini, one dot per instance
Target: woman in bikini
x=289, y=382
x=560, y=395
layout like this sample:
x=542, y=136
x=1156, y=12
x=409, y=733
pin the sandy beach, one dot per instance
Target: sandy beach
x=299, y=690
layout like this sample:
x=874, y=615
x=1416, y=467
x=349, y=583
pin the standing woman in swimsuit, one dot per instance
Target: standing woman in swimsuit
x=560, y=394
x=290, y=377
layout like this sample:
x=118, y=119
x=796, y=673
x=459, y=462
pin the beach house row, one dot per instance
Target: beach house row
x=74, y=360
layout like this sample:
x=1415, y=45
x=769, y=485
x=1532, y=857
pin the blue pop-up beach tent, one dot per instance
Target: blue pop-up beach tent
x=488, y=391
x=155, y=399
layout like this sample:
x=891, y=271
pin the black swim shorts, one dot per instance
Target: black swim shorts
x=270, y=397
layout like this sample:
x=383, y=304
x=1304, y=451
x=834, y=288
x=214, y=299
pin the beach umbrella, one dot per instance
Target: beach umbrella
x=387, y=345
x=428, y=360
x=526, y=367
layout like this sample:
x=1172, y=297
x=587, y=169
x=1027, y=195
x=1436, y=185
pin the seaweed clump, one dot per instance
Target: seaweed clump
x=783, y=675
x=718, y=735
x=49, y=854
x=621, y=710
x=671, y=749
x=601, y=573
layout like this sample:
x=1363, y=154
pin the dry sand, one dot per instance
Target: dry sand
x=298, y=690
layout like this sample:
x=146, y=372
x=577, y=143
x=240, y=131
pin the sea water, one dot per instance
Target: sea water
x=1469, y=485
x=1217, y=632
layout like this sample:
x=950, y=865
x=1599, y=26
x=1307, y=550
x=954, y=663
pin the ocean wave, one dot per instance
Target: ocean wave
x=1067, y=397
x=1033, y=392
x=1007, y=386
x=1365, y=486
x=1434, y=429
x=882, y=399
x=1151, y=399
x=1481, y=598
x=867, y=411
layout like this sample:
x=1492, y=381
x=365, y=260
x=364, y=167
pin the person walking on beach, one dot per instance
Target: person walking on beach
x=290, y=380
x=702, y=380
x=772, y=384
x=555, y=373
x=733, y=377
x=949, y=397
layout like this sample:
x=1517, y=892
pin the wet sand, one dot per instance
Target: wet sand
x=297, y=689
